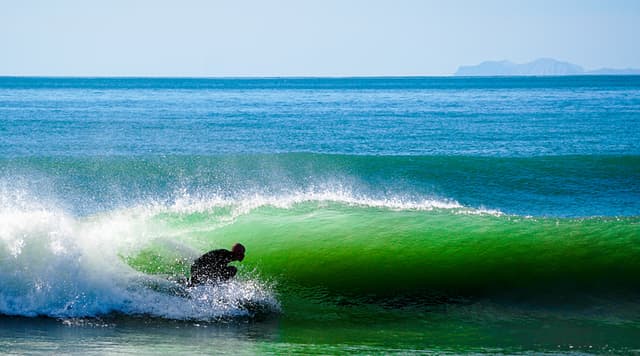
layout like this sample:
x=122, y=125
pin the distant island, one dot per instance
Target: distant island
x=539, y=67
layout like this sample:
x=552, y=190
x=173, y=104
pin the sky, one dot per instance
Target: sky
x=198, y=38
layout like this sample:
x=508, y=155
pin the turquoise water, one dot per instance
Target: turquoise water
x=380, y=215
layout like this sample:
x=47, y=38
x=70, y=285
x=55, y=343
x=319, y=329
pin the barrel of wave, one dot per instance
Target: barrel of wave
x=379, y=251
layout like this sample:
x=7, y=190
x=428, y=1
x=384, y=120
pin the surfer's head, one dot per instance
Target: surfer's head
x=238, y=252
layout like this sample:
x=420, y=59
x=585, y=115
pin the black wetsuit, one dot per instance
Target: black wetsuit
x=212, y=267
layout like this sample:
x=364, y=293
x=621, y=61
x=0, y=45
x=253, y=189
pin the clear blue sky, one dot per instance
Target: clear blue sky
x=316, y=38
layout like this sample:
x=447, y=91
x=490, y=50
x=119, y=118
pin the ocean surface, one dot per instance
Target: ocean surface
x=380, y=215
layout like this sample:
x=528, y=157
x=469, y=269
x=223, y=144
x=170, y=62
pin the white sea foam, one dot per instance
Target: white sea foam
x=247, y=202
x=58, y=265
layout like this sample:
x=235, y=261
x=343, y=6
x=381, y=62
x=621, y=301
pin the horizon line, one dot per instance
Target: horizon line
x=227, y=76
x=2, y=76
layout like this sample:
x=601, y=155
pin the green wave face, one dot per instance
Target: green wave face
x=381, y=251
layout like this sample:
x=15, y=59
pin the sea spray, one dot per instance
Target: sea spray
x=54, y=264
x=563, y=186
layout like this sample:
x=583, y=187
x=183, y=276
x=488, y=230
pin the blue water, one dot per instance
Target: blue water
x=379, y=116
x=380, y=215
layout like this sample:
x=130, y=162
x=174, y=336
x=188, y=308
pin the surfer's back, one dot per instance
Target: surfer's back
x=212, y=266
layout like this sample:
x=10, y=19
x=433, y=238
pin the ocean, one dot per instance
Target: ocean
x=444, y=215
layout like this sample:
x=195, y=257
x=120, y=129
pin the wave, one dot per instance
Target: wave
x=127, y=260
x=367, y=248
x=92, y=236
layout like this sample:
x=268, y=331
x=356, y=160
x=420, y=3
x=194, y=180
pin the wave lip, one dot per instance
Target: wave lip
x=245, y=203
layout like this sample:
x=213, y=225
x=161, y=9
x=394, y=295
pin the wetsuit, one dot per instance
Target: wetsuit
x=212, y=267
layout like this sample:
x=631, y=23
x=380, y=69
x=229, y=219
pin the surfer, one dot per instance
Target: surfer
x=212, y=266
